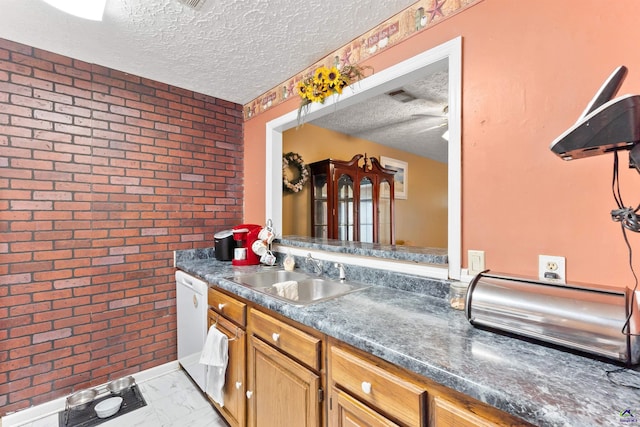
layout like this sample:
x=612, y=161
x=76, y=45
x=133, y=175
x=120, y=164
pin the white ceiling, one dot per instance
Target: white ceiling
x=235, y=50
x=415, y=126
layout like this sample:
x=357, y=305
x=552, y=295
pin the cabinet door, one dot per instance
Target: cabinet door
x=234, y=409
x=348, y=412
x=281, y=392
x=385, y=214
x=345, y=209
x=366, y=211
x=448, y=414
x=320, y=224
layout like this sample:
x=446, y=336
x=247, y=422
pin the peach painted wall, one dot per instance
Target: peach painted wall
x=529, y=69
x=421, y=218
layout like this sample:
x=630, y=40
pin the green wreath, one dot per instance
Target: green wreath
x=294, y=160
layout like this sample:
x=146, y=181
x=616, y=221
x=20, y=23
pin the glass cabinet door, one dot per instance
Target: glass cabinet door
x=345, y=207
x=352, y=200
x=320, y=209
x=366, y=210
x=384, y=213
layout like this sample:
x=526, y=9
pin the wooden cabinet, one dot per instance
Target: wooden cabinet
x=276, y=377
x=282, y=391
x=286, y=338
x=234, y=409
x=352, y=201
x=384, y=393
x=448, y=414
x=349, y=412
x=369, y=392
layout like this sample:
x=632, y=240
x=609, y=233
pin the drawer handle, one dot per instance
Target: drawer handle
x=366, y=387
x=249, y=394
x=275, y=337
x=221, y=306
x=238, y=385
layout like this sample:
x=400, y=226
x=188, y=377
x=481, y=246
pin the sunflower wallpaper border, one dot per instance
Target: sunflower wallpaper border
x=417, y=17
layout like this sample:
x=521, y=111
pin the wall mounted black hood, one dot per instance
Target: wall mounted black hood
x=606, y=124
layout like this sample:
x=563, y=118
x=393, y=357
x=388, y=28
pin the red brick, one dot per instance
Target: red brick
x=53, y=117
x=114, y=167
x=54, y=296
x=13, y=321
x=108, y=99
x=26, y=80
x=53, y=255
x=72, y=72
x=29, y=330
x=15, y=110
x=76, y=264
x=77, y=341
x=29, y=350
x=52, y=57
x=30, y=267
x=33, y=308
x=30, y=61
x=30, y=288
x=71, y=321
x=51, y=314
x=71, y=129
x=15, y=89
x=71, y=360
x=27, y=245
x=32, y=164
x=50, y=377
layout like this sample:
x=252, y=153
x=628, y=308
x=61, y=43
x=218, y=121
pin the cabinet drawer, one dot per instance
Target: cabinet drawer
x=302, y=346
x=445, y=413
x=349, y=412
x=387, y=392
x=228, y=306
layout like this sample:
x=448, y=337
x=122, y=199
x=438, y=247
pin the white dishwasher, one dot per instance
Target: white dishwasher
x=191, y=312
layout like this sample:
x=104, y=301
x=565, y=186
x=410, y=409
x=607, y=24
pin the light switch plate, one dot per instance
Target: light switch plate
x=476, y=262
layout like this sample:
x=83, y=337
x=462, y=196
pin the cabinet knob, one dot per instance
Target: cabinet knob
x=238, y=385
x=249, y=394
x=366, y=387
x=275, y=337
x=221, y=306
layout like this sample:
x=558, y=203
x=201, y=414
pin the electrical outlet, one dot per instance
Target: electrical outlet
x=476, y=262
x=552, y=269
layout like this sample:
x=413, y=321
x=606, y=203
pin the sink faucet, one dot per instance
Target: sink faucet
x=341, y=273
x=316, y=265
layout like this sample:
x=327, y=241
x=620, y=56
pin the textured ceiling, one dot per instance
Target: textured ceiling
x=230, y=49
x=415, y=126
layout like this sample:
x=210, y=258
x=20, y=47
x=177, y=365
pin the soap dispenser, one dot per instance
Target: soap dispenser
x=289, y=263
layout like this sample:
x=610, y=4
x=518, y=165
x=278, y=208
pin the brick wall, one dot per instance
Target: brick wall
x=102, y=175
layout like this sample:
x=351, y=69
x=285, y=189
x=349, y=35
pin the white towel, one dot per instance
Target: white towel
x=288, y=289
x=215, y=354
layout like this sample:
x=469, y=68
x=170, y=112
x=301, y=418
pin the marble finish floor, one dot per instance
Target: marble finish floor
x=172, y=400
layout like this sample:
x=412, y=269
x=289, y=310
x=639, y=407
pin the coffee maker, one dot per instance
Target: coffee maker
x=245, y=235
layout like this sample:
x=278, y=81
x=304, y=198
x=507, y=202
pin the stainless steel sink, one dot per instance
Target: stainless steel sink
x=264, y=279
x=301, y=288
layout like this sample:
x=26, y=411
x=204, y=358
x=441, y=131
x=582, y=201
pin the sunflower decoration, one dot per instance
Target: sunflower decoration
x=325, y=82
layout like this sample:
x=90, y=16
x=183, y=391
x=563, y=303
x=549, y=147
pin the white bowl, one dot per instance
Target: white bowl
x=108, y=407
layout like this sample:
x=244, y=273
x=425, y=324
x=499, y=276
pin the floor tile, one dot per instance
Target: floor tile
x=173, y=400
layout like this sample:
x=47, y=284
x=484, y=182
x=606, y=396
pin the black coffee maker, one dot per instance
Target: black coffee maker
x=224, y=245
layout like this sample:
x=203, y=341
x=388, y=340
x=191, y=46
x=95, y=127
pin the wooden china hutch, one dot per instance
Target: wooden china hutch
x=352, y=200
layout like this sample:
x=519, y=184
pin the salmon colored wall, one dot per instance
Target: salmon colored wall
x=421, y=219
x=529, y=69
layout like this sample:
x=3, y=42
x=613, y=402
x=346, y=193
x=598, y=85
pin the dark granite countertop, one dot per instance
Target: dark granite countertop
x=542, y=385
x=397, y=252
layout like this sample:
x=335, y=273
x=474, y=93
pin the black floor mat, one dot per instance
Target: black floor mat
x=87, y=417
